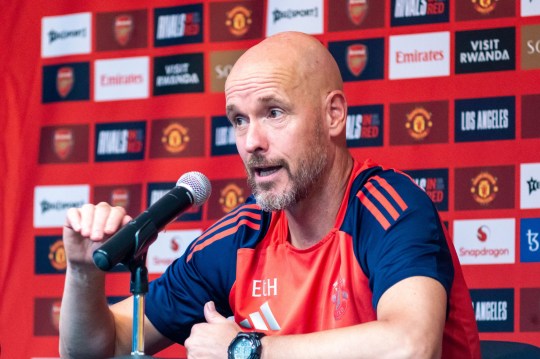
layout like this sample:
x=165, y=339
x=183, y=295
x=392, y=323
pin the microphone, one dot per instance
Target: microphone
x=192, y=188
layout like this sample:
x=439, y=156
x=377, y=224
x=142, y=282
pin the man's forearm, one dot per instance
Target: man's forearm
x=370, y=340
x=87, y=327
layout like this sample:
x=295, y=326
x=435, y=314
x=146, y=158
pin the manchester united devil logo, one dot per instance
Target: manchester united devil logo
x=484, y=188
x=418, y=123
x=340, y=298
x=238, y=20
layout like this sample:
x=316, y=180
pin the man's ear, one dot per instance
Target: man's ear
x=336, y=112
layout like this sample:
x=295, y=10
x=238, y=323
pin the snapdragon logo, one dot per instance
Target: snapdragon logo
x=168, y=247
x=487, y=241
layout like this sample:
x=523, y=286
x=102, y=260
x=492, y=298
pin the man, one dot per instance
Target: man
x=331, y=258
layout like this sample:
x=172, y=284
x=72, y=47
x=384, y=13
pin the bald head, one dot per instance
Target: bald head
x=300, y=56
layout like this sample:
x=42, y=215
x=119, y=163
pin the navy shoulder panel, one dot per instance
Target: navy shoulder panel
x=396, y=231
x=206, y=271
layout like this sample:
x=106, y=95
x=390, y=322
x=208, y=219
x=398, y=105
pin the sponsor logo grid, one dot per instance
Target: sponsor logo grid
x=140, y=54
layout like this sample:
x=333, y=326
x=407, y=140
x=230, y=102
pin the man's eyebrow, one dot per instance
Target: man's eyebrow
x=268, y=100
x=230, y=108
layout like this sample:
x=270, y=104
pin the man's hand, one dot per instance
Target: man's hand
x=87, y=228
x=211, y=339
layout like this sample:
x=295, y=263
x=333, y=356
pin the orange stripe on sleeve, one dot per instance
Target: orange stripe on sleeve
x=374, y=211
x=223, y=234
x=382, y=200
x=232, y=218
x=392, y=192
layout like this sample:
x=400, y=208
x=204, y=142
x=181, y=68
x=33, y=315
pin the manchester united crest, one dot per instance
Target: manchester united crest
x=63, y=142
x=230, y=197
x=340, y=298
x=484, y=6
x=57, y=255
x=418, y=123
x=484, y=188
x=175, y=138
x=238, y=20
x=123, y=28
x=357, y=10
x=65, y=78
x=357, y=57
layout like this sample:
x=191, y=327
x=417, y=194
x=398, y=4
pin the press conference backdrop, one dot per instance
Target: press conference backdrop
x=114, y=100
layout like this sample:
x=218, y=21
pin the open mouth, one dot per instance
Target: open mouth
x=266, y=171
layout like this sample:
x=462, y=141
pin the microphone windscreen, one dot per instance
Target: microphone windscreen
x=198, y=185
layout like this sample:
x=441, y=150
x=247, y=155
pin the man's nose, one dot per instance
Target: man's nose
x=256, y=137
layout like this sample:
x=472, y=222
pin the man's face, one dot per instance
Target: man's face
x=279, y=135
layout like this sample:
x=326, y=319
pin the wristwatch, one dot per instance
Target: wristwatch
x=246, y=346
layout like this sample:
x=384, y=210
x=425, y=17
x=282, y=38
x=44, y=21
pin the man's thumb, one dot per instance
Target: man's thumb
x=211, y=314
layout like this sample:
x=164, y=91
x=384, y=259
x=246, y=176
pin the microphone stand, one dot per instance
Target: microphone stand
x=139, y=286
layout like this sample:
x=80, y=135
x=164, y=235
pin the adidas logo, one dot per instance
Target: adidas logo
x=263, y=319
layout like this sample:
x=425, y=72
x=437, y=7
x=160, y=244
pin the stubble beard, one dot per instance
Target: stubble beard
x=301, y=183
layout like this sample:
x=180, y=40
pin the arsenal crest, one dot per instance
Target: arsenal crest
x=55, y=314
x=63, y=142
x=123, y=27
x=120, y=197
x=357, y=10
x=64, y=81
x=357, y=56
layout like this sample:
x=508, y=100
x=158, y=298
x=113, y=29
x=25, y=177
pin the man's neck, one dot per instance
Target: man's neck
x=311, y=219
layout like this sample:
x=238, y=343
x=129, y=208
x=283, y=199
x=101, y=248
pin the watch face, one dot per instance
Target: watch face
x=243, y=349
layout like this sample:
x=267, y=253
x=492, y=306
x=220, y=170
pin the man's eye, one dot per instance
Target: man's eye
x=239, y=121
x=275, y=113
